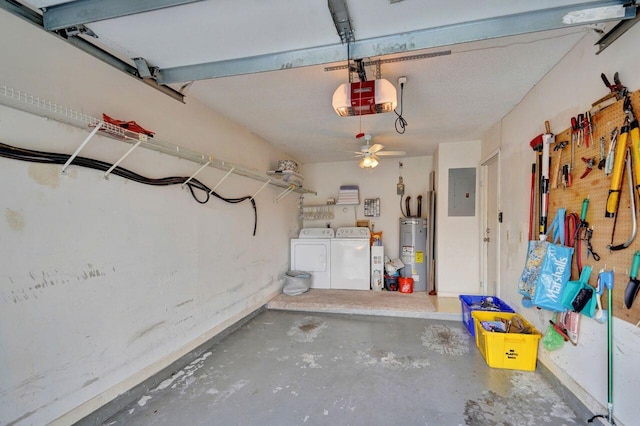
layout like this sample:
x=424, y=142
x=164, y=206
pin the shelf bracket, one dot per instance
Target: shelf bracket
x=284, y=193
x=117, y=163
x=261, y=188
x=197, y=171
x=82, y=145
x=222, y=180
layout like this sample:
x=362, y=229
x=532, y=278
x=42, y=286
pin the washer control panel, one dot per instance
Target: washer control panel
x=316, y=233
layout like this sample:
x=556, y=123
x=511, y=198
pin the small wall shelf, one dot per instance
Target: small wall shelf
x=46, y=109
x=318, y=212
x=287, y=176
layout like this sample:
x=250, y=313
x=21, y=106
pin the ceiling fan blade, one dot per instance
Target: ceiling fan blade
x=391, y=153
x=375, y=148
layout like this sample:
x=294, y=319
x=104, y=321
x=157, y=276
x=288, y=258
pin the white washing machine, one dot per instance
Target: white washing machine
x=351, y=259
x=311, y=252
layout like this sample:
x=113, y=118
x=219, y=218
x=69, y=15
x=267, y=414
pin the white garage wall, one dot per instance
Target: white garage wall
x=457, y=238
x=104, y=282
x=566, y=91
x=326, y=179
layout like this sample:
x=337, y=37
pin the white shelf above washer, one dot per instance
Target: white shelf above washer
x=41, y=107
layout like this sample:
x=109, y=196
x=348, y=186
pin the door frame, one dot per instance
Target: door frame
x=484, y=196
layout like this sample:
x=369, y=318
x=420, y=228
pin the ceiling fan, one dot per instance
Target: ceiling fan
x=369, y=153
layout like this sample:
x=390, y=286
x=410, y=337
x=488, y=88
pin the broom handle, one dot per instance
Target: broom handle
x=610, y=354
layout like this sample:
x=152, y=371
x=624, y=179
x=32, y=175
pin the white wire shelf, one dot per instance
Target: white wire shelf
x=41, y=107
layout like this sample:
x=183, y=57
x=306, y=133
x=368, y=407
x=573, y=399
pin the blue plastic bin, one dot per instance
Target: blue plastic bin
x=480, y=303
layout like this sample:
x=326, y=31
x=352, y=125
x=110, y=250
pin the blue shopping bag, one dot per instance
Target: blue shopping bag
x=555, y=271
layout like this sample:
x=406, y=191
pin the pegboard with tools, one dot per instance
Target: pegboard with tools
x=588, y=175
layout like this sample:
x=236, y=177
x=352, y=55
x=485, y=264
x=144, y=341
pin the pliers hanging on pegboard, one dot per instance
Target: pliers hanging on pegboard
x=617, y=88
x=590, y=162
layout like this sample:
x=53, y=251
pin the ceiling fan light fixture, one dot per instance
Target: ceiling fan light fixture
x=365, y=97
x=368, y=162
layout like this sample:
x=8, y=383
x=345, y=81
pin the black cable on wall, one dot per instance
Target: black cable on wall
x=194, y=185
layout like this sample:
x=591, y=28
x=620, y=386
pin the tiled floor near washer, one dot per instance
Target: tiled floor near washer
x=296, y=368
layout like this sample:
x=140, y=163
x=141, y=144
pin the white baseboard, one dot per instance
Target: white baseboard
x=573, y=386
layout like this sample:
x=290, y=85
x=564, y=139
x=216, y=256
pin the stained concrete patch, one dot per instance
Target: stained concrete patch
x=374, y=357
x=521, y=406
x=143, y=401
x=446, y=340
x=184, y=377
x=221, y=396
x=307, y=330
x=14, y=219
x=309, y=361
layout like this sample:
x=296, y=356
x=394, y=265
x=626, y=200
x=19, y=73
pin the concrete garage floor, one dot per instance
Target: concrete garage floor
x=297, y=368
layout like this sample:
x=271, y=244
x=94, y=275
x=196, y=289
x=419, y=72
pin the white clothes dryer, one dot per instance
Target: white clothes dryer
x=351, y=259
x=311, y=252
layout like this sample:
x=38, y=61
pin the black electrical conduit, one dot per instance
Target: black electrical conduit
x=15, y=153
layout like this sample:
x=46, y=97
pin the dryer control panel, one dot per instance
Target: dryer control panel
x=353, y=232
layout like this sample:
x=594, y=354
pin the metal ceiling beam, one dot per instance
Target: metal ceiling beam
x=80, y=12
x=341, y=19
x=484, y=29
x=616, y=32
x=34, y=18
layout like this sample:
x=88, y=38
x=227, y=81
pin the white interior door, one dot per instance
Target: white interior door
x=490, y=228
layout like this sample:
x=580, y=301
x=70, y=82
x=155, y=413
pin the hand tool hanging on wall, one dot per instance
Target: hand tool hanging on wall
x=588, y=123
x=572, y=231
x=600, y=313
x=590, y=251
x=608, y=165
x=580, y=125
x=602, y=161
x=606, y=278
x=630, y=127
x=632, y=201
x=613, y=199
x=555, y=174
x=536, y=145
x=581, y=233
x=566, y=176
x=547, y=139
x=532, y=200
x=634, y=132
x=590, y=163
x=562, y=331
x=617, y=89
x=634, y=284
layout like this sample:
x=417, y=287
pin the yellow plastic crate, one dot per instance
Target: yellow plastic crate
x=506, y=350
